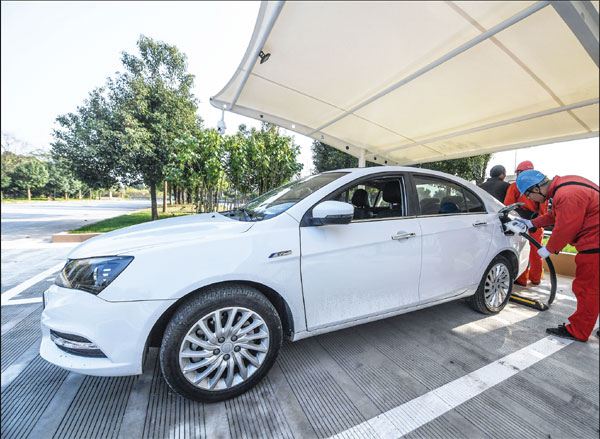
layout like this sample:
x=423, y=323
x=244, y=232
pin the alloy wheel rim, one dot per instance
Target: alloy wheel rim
x=497, y=285
x=224, y=348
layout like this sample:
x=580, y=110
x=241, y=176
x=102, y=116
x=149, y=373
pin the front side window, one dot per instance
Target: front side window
x=279, y=200
x=379, y=197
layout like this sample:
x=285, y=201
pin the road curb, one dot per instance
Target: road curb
x=73, y=237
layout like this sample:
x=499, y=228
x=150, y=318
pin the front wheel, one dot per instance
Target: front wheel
x=495, y=287
x=220, y=343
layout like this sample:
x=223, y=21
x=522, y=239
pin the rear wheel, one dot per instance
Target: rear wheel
x=220, y=343
x=495, y=287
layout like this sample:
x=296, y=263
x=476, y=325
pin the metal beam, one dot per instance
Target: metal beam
x=582, y=19
x=482, y=37
x=493, y=125
x=259, y=46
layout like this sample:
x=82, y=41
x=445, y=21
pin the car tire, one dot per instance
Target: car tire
x=233, y=358
x=495, y=287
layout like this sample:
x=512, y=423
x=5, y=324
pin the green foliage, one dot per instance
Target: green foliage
x=125, y=132
x=328, y=158
x=469, y=168
x=268, y=158
x=10, y=161
x=30, y=175
x=155, y=99
x=142, y=127
x=6, y=181
x=89, y=142
x=61, y=180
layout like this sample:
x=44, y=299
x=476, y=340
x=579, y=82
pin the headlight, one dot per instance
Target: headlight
x=92, y=274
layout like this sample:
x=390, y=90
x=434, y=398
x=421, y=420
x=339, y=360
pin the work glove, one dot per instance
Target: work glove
x=543, y=252
x=526, y=222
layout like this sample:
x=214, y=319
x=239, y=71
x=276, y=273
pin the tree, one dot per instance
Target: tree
x=61, y=179
x=155, y=99
x=10, y=160
x=269, y=158
x=327, y=158
x=6, y=183
x=89, y=142
x=125, y=132
x=30, y=175
x=470, y=168
x=198, y=166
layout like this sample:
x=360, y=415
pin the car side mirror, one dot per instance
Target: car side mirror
x=332, y=212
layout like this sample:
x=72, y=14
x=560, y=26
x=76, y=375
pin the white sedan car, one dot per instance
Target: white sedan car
x=217, y=292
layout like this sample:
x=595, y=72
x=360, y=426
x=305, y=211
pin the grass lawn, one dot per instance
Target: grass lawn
x=568, y=248
x=134, y=218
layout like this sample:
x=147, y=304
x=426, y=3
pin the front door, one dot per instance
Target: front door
x=368, y=267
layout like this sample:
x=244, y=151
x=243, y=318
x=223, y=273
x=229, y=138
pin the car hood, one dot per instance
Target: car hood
x=182, y=229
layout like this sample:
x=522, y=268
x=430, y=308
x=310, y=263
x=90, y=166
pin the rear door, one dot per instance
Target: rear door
x=368, y=267
x=457, y=234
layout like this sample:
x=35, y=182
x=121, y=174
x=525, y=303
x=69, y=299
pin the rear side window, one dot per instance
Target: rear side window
x=442, y=197
x=474, y=204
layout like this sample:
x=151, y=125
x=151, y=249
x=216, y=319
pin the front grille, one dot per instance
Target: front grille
x=75, y=344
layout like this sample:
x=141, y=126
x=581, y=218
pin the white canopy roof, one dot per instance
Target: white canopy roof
x=414, y=82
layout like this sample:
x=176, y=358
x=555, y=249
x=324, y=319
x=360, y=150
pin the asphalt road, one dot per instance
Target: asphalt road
x=27, y=229
x=39, y=220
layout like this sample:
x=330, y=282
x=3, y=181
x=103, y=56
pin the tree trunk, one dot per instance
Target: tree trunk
x=90, y=194
x=153, y=200
x=170, y=194
x=28, y=194
x=165, y=197
x=66, y=196
x=80, y=196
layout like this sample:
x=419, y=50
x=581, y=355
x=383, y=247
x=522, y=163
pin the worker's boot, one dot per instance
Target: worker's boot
x=562, y=332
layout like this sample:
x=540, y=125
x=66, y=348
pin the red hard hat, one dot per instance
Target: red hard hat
x=524, y=166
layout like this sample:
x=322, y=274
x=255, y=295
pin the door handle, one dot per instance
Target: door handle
x=402, y=235
x=479, y=224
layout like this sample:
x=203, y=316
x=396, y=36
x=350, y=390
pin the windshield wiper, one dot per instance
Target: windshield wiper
x=246, y=212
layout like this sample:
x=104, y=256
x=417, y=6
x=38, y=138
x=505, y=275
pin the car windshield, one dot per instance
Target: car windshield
x=281, y=199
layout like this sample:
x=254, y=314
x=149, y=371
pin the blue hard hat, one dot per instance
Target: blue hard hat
x=527, y=179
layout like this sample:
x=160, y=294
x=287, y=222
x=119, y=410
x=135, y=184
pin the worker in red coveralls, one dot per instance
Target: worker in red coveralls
x=575, y=215
x=530, y=210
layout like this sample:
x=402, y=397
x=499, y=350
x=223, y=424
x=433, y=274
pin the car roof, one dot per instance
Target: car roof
x=380, y=169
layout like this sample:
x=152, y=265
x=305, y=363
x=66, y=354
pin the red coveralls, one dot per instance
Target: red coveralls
x=575, y=215
x=536, y=265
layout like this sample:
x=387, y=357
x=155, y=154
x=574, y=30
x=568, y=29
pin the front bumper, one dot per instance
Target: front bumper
x=119, y=329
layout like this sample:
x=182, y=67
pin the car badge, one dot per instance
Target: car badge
x=278, y=254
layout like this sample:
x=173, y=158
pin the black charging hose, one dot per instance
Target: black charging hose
x=553, y=281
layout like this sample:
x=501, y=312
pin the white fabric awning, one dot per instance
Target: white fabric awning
x=413, y=82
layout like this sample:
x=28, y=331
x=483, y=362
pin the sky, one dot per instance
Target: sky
x=54, y=53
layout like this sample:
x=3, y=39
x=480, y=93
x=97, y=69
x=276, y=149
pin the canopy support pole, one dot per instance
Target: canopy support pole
x=362, y=161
